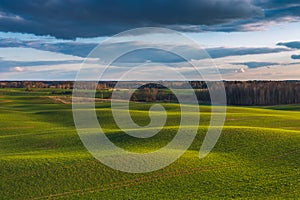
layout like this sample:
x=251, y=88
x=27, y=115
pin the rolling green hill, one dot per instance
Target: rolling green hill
x=42, y=157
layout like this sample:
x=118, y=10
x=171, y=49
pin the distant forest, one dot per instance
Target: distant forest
x=238, y=92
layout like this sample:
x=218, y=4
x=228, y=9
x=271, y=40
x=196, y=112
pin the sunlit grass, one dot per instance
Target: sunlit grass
x=41, y=155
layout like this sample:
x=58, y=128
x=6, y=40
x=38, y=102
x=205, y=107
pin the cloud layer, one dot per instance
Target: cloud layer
x=143, y=55
x=91, y=18
x=31, y=60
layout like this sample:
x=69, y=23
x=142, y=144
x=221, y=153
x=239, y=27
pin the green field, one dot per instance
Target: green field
x=42, y=157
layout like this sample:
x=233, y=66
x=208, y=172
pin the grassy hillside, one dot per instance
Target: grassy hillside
x=42, y=157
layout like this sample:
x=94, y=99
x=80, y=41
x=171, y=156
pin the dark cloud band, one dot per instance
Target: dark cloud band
x=91, y=18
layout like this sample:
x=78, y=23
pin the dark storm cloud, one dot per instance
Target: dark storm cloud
x=274, y=11
x=270, y=4
x=70, y=19
x=283, y=13
x=277, y=10
x=91, y=18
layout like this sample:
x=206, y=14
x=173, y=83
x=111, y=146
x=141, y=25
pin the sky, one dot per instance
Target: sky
x=243, y=39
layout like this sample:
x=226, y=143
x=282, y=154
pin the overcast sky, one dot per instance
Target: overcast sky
x=246, y=39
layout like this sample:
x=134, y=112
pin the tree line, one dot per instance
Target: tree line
x=263, y=92
x=237, y=92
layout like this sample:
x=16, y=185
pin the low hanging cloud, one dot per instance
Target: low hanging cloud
x=143, y=55
x=253, y=65
x=16, y=65
x=225, y=52
x=70, y=48
x=293, y=45
x=295, y=57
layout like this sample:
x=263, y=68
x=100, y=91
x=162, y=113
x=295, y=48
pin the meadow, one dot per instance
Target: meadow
x=42, y=156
